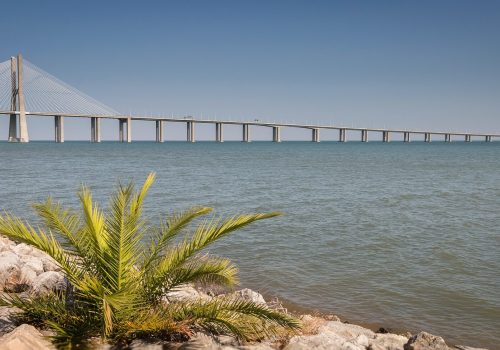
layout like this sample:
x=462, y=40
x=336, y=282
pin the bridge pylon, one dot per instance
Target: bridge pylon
x=17, y=102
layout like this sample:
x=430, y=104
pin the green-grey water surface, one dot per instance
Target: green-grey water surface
x=400, y=235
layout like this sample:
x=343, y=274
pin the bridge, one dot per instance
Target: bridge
x=26, y=90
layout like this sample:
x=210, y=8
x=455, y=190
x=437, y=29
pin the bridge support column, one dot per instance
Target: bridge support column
x=276, y=134
x=341, y=135
x=406, y=136
x=447, y=137
x=427, y=137
x=128, y=131
x=159, y=131
x=386, y=137
x=120, y=133
x=23, y=125
x=58, y=129
x=13, y=128
x=487, y=139
x=17, y=102
x=219, y=132
x=315, y=135
x=246, y=133
x=13, y=101
x=364, y=135
x=190, y=131
x=95, y=129
x=467, y=138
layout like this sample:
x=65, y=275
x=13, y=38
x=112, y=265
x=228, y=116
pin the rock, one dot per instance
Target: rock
x=25, y=337
x=139, y=344
x=10, y=273
x=249, y=295
x=362, y=340
x=47, y=282
x=346, y=330
x=387, y=341
x=424, y=340
x=345, y=336
x=33, y=263
x=186, y=292
x=6, y=243
x=259, y=346
x=27, y=279
x=311, y=324
x=23, y=249
x=323, y=341
x=49, y=264
x=7, y=319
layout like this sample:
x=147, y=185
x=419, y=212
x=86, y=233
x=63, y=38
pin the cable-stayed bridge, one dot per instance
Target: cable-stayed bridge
x=26, y=90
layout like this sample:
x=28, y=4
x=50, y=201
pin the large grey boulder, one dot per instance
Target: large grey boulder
x=22, y=249
x=25, y=337
x=33, y=263
x=6, y=244
x=49, y=264
x=425, y=341
x=345, y=336
x=47, y=282
x=10, y=271
x=186, y=293
x=248, y=295
x=387, y=342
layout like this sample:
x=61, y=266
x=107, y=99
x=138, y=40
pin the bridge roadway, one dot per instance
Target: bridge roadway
x=125, y=128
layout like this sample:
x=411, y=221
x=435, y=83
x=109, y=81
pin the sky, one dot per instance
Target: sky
x=396, y=64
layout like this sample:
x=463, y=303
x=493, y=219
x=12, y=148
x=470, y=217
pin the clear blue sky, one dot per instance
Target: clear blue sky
x=416, y=64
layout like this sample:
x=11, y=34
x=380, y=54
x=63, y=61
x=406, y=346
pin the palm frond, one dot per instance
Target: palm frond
x=204, y=270
x=243, y=319
x=169, y=229
x=94, y=221
x=67, y=226
x=207, y=233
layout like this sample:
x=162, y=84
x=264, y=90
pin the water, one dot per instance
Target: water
x=398, y=235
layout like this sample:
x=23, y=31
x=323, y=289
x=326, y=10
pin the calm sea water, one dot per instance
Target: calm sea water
x=398, y=235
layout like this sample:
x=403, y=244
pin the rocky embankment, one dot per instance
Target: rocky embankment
x=26, y=270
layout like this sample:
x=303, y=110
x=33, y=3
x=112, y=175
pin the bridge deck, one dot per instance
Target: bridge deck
x=254, y=123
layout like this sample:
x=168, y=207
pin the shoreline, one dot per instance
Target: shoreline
x=24, y=269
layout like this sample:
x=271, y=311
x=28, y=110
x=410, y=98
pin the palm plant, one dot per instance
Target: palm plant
x=119, y=286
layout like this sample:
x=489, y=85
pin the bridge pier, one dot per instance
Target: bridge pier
x=427, y=137
x=59, y=129
x=246, y=133
x=219, y=132
x=487, y=139
x=364, y=135
x=128, y=131
x=385, y=136
x=190, y=131
x=467, y=138
x=276, y=134
x=17, y=102
x=13, y=127
x=406, y=136
x=315, y=135
x=447, y=137
x=159, y=130
x=95, y=129
x=341, y=135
